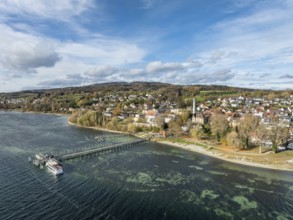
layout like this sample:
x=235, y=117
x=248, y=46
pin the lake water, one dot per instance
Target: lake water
x=150, y=181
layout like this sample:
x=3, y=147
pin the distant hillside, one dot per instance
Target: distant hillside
x=101, y=87
x=120, y=87
x=125, y=94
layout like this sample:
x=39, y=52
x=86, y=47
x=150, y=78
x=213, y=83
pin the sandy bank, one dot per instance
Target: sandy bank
x=236, y=158
x=223, y=156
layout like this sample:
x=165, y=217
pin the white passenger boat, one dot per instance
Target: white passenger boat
x=55, y=166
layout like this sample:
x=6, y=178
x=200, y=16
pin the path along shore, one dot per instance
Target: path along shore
x=234, y=157
x=254, y=161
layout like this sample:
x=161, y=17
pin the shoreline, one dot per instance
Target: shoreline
x=220, y=155
x=200, y=150
x=96, y=128
x=190, y=147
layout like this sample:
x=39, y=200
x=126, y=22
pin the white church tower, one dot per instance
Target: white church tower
x=193, y=111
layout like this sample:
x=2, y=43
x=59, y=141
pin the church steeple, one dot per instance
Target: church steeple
x=193, y=110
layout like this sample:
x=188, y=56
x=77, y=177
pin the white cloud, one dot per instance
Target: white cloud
x=69, y=80
x=25, y=57
x=199, y=77
x=53, y=9
x=258, y=42
x=160, y=67
x=31, y=16
x=216, y=56
x=179, y=73
x=24, y=53
x=103, y=51
x=102, y=71
x=25, y=49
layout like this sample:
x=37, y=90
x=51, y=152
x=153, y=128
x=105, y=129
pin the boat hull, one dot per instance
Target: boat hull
x=54, y=166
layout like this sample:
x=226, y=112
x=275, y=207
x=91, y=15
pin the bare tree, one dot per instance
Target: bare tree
x=160, y=121
x=275, y=134
x=248, y=125
x=278, y=135
x=219, y=125
x=260, y=136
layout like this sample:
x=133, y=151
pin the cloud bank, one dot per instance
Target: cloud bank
x=78, y=42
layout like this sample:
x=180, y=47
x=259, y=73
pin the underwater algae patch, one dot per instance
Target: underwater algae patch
x=223, y=213
x=150, y=179
x=143, y=178
x=174, y=178
x=188, y=196
x=220, y=209
x=244, y=203
x=208, y=194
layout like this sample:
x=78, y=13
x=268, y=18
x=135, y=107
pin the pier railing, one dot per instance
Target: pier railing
x=110, y=148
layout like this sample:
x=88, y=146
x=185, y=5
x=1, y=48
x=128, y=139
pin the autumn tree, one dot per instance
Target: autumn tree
x=131, y=128
x=174, y=126
x=74, y=117
x=113, y=124
x=248, y=124
x=271, y=95
x=117, y=110
x=202, y=131
x=219, y=125
x=286, y=94
x=87, y=119
x=185, y=116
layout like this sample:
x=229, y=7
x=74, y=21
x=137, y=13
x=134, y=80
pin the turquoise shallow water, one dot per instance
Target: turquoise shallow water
x=151, y=181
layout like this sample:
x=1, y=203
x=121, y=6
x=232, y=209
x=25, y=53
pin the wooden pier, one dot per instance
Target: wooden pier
x=110, y=148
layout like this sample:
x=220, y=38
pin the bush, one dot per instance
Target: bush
x=233, y=140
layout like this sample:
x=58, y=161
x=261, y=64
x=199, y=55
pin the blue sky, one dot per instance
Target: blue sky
x=244, y=43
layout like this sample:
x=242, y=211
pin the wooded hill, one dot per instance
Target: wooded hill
x=124, y=87
x=58, y=99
